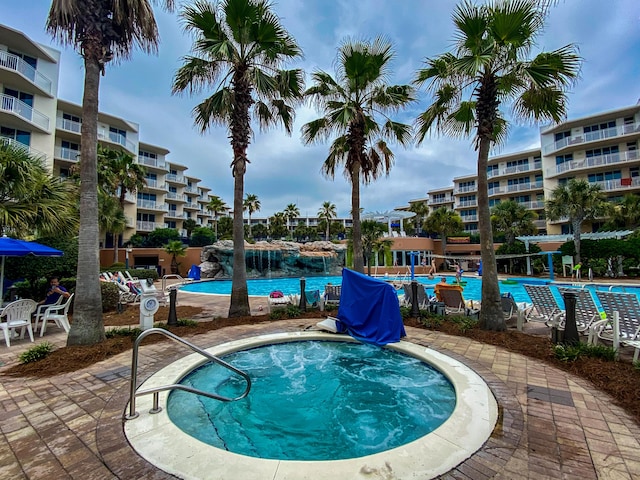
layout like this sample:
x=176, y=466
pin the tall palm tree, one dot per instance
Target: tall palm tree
x=490, y=66
x=175, y=248
x=579, y=201
x=291, y=213
x=216, y=206
x=444, y=222
x=100, y=31
x=625, y=213
x=355, y=105
x=327, y=212
x=239, y=47
x=111, y=218
x=421, y=209
x=512, y=219
x=32, y=201
x=251, y=204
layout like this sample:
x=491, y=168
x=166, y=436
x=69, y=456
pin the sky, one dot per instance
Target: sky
x=283, y=170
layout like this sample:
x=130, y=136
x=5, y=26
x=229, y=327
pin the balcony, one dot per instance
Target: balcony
x=540, y=223
x=499, y=172
x=468, y=203
x=68, y=125
x=496, y=191
x=27, y=116
x=176, y=197
x=151, y=205
x=32, y=151
x=604, y=134
x=172, y=177
x=617, y=185
x=117, y=138
x=191, y=206
x=174, y=214
x=597, y=161
x=191, y=190
x=155, y=185
x=130, y=222
x=524, y=187
x=26, y=73
x=469, y=218
x=147, y=226
x=466, y=189
x=533, y=205
x=152, y=162
x=440, y=201
x=68, y=154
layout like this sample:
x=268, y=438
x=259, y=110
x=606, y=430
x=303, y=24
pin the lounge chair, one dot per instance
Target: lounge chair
x=278, y=299
x=586, y=309
x=622, y=325
x=510, y=307
x=41, y=309
x=545, y=306
x=454, y=301
x=17, y=315
x=332, y=294
x=423, y=298
x=59, y=315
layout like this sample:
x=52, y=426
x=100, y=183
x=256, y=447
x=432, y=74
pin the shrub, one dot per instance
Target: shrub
x=570, y=353
x=124, y=332
x=110, y=296
x=36, y=353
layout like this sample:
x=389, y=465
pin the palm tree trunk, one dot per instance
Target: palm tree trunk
x=87, y=327
x=358, y=259
x=491, y=315
x=239, y=292
x=577, y=225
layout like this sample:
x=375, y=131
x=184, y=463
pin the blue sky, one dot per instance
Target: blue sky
x=282, y=169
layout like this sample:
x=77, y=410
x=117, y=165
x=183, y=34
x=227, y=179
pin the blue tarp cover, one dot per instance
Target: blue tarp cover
x=369, y=309
x=194, y=272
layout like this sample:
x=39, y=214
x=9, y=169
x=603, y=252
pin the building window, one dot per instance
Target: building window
x=73, y=118
x=147, y=196
x=18, y=135
x=146, y=217
x=142, y=153
x=634, y=172
x=173, y=189
x=493, y=202
x=173, y=207
x=560, y=159
x=601, y=177
x=492, y=169
x=518, y=163
x=170, y=224
x=518, y=181
x=596, y=152
x=562, y=135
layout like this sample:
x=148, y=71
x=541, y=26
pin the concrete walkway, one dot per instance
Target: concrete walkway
x=553, y=425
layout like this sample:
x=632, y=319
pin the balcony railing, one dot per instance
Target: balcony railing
x=469, y=188
x=613, y=185
x=107, y=135
x=151, y=183
x=151, y=205
x=27, y=112
x=66, y=153
x=468, y=203
x=533, y=205
x=147, y=226
x=152, y=162
x=176, y=196
x=10, y=141
x=540, y=223
x=173, y=214
x=189, y=189
x=68, y=125
x=498, y=172
x=523, y=187
x=17, y=64
x=495, y=190
x=438, y=201
x=596, y=161
x=612, y=132
x=131, y=223
x=469, y=218
x=172, y=177
x=191, y=206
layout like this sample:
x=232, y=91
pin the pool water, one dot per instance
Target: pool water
x=315, y=400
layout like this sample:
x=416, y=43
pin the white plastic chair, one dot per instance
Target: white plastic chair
x=43, y=308
x=59, y=315
x=17, y=315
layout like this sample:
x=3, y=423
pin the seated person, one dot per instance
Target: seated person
x=442, y=286
x=54, y=292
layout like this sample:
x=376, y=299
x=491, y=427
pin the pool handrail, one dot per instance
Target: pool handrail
x=133, y=393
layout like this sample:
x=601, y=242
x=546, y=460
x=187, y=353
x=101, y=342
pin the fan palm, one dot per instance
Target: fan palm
x=512, y=219
x=291, y=213
x=626, y=213
x=372, y=241
x=489, y=67
x=421, y=209
x=444, y=222
x=251, y=204
x=239, y=46
x=579, y=201
x=353, y=105
x=100, y=31
x=216, y=206
x=327, y=212
x=31, y=200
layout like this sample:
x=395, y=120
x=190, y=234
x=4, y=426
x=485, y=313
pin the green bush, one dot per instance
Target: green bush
x=570, y=353
x=110, y=296
x=117, y=266
x=290, y=311
x=123, y=332
x=36, y=353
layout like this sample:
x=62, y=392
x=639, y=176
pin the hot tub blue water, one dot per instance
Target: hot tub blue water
x=315, y=400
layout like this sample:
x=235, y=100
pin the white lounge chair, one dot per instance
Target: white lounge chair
x=17, y=315
x=332, y=294
x=622, y=325
x=59, y=315
x=586, y=309
x=545, y=307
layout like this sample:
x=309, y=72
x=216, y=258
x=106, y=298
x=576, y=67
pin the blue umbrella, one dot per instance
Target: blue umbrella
x=11, y=247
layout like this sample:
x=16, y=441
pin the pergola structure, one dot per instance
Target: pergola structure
x=388, y=216
x=566, y=237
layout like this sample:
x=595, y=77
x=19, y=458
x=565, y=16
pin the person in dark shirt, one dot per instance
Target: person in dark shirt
x=54, y=292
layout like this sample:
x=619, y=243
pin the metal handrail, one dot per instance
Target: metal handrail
x=133, y=393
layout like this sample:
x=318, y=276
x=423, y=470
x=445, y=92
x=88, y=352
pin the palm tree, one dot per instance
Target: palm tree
x=512, y=219
x=444, y=222
x=33, y=201
x=421, y=209
x=579, y=201
x=626, y=213
x=251, y=204
x=111, y=219
x=353, y=104
x=216, y=206
x=372, y=242
x=278, y=225
x=239, y=46
x=175, y=248
x=327, y=212
x=189, y=224
x=490, y=66
x=100, y=31
x=291, y=213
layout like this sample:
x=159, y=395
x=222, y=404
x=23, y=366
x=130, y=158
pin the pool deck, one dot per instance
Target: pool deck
x=553, y=425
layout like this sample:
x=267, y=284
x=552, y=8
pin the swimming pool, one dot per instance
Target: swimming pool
x=157, y=439
x=314, y=400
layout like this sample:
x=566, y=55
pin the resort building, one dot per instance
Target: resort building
x=32, y=117
x=601, y=148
